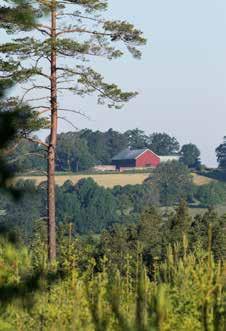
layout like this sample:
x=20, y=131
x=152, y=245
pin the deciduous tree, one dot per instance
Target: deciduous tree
x=136, y=138
x=73, y=153
x=173, y=181
x=190, y=155
x=221, y=154
x=163, y=144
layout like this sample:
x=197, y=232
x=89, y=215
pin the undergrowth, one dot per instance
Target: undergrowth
x=184, y=293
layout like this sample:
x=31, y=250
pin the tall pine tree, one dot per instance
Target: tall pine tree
x=52, y=32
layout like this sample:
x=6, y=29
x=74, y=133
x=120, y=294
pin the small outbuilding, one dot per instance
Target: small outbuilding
x=136, y=158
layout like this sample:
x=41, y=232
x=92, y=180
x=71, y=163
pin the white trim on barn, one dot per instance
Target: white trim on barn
x=168, y=158
x=145, y=152
x=103, y=168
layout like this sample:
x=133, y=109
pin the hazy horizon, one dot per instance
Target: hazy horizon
x=181, y=78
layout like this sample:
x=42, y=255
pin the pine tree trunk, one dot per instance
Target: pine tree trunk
x=52, y=143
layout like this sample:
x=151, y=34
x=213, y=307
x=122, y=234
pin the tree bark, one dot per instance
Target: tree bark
x=52, y=143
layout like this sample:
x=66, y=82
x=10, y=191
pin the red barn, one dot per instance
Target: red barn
x=136, y=158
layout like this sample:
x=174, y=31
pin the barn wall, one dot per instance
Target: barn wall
x=124, y=164
x=148, y=159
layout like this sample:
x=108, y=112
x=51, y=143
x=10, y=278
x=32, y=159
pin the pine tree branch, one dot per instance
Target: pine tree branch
x=28, y=90
x=44, y=26
x=64, y=81
x=81, y=16
x=43, y=31
x=79, y=30
x=25, y=154
x=71, y=71
x=38, y=99
x=40, y=107
x=68, y=121
x=75, y=112
x=36, y=141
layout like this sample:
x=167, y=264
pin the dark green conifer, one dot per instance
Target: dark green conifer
x=179, y=223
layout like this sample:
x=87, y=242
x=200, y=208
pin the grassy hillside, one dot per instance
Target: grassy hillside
x=109, y=180
x=106, y=180
x=201, y=180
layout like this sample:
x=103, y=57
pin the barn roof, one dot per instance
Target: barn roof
x=129, y=154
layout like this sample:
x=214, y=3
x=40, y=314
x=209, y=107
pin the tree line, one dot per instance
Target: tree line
x=113, y=221
x=79, y=151
x=92, y=208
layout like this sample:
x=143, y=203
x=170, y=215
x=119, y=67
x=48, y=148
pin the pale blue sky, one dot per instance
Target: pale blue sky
x=181, y=77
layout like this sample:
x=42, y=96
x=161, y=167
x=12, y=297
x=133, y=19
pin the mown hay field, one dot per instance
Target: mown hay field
x=201, y=180
x=109, y=180
x=106, y=180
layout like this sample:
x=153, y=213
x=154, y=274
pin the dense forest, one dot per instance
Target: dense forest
x=161, y=272
x=92, y=208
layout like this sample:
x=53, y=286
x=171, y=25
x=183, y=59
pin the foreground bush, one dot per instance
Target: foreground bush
x=184, y=293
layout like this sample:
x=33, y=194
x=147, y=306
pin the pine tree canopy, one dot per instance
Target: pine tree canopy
x=82, y=33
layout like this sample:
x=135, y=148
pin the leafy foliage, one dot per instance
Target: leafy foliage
x=212, y=194
x=190, y=155
x=78, y=151
x=68, y=297
x=73, y=153
x=18, y=216
x=163, y=144
x=178, y=224
x=173, y=181
x=88, y=206
x=133, y=276
x=221, y=154
x=199, y=233
x=27, y=156
x=78, y=204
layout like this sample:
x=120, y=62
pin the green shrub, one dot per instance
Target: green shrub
x=184, y=294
